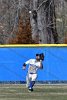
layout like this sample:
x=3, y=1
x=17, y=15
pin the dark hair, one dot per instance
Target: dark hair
x=41, y=55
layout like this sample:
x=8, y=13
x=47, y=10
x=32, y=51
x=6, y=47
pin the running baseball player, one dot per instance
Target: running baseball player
x=34, y=65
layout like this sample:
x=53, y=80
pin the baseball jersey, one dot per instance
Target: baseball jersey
x=33, y=65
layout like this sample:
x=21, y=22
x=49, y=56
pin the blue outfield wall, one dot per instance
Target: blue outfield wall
x=12, y=59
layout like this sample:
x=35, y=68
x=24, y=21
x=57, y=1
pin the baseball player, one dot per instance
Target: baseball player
x=34, y=65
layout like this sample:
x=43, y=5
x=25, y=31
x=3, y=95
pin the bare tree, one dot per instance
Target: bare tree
x=51, y=21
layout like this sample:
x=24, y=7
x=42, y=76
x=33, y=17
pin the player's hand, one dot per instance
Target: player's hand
x=23, y=67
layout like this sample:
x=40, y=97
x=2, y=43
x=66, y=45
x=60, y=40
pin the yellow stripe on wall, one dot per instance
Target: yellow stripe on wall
x=33, y=45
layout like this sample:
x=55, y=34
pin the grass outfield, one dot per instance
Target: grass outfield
x=41, y=92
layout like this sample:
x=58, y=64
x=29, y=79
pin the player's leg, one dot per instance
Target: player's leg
x=34, y=76
x=27, y=80
x=32, y=82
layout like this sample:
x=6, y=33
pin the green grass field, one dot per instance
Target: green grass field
x=41, y=92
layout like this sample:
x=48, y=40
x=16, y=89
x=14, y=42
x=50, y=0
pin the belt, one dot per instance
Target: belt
x=32, y=73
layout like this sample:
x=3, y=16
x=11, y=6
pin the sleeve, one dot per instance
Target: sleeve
x=28, y=62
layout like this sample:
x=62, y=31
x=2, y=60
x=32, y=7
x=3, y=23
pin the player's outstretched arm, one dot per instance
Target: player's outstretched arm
x=24, y=65
x=41, y=65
